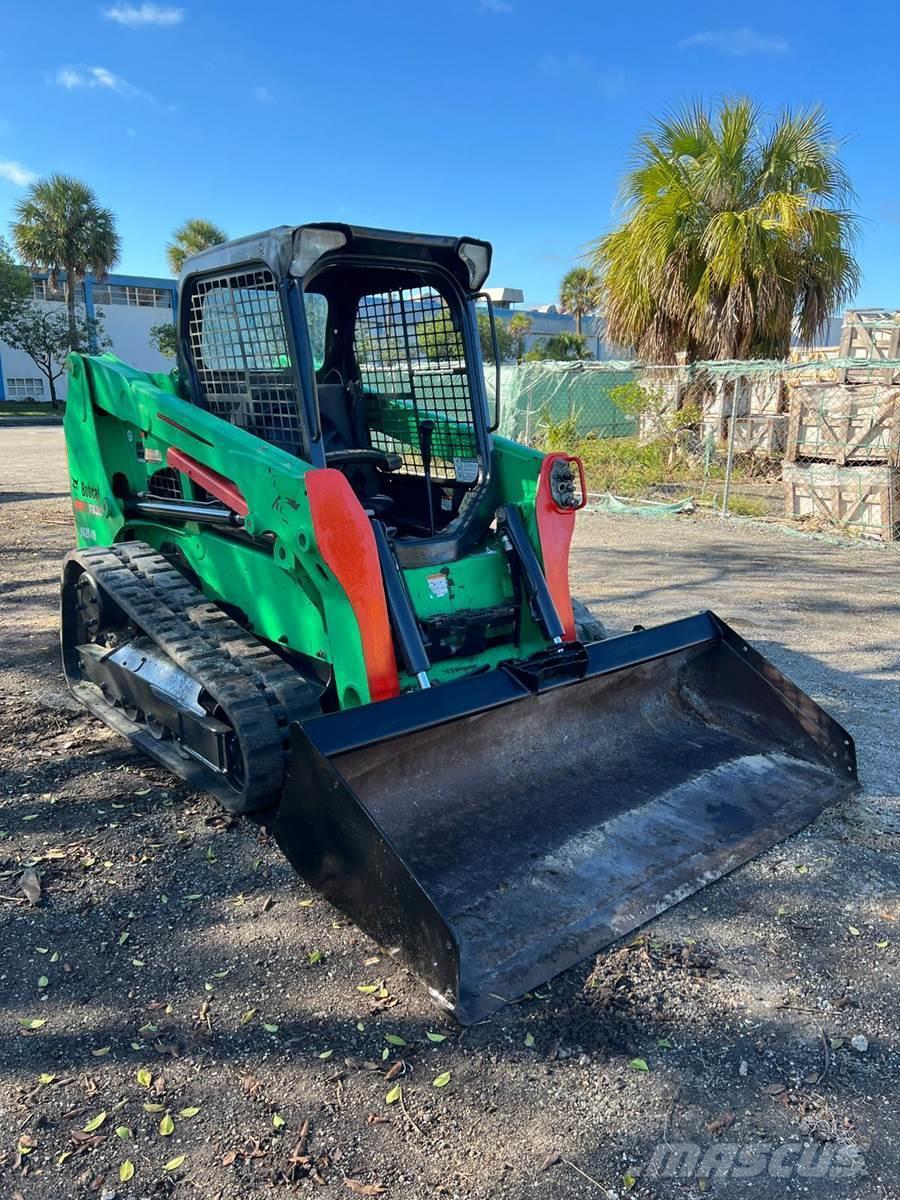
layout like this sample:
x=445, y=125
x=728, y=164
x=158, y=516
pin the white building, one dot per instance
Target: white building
x=131, y=305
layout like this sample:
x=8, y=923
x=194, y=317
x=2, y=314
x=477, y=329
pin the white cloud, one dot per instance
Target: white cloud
x=738, y=41
x=263, y=95
x=15, y=173
x=98, y=77
x=135, y=16
x=495, y=6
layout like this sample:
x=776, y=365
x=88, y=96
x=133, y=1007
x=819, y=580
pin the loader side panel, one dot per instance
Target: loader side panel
x=347, y=545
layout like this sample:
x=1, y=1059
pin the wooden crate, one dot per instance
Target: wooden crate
x=861, y=500
x=761, y=434
x=871, y=335
x=844, y=423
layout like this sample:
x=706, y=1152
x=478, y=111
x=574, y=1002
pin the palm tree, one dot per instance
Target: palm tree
x=61, y=226
x=579, y=294
x=737, y=231
x=519, y=328
x=190, y=238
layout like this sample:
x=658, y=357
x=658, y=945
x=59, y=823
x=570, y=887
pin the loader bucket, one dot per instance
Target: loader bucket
x=500, y=828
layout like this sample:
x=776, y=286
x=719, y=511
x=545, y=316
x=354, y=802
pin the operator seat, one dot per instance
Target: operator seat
x=343, y=432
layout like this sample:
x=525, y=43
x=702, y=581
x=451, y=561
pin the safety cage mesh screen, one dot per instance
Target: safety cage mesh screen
x=240, y=351
x=166, y=484
x=412, y=367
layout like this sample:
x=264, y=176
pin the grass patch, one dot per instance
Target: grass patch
x=746, y=506
x=626, y=466
x=30, y=408
x=630, y=466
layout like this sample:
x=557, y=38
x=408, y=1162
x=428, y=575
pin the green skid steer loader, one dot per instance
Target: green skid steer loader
x=309, y=577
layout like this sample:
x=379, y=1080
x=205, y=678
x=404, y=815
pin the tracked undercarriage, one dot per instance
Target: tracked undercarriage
x=146, y=652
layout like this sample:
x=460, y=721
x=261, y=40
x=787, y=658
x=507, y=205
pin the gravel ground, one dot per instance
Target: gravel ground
x=199, y=1016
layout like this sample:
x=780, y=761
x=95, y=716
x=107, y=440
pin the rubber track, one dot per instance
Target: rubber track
x=257, y=691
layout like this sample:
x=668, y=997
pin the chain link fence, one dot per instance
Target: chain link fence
x=814, y=441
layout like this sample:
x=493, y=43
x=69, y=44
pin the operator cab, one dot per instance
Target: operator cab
x=354, y=349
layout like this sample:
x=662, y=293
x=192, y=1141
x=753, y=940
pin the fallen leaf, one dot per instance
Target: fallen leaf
x=30, y=883
x=326, y=1054
x=101, y=1053
x=166, y=1126
x=394, y=1094
x=529, y=1040
x=442, y=1080
x=154, y=1108
x=853, y=931
x=32, y=1022
x=46, y=1078
x=248, y=1016
x=174, y=1163
x=720, y=1123
x=367, y=988
x=364, y=1189
x=144, y=1077
x=278, y=1121
x=43, y=982
x=187, y=1113
x=436, y=1037
x=94, y=1123
x=551, y=1160
x=314, y=956
x=270, y=1027
x=628, y=1181
x=306, y=903
x=664, y=1042
x=126, y=1171
x=123, y=1132
x=394, y=1039
x=881, y=945
x=639, y=1064
x=394, y=1071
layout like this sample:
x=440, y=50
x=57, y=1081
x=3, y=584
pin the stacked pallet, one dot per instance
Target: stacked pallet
x=842, y=456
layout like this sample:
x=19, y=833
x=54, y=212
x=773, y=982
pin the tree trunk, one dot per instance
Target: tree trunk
x=54, y=399
x=578, y=321
x=71, y=285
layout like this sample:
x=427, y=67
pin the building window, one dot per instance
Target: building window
x=43, y=289
x=25, y=389
x=140, y=297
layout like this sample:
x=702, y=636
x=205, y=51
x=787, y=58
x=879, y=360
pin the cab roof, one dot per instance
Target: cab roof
x=285, y=251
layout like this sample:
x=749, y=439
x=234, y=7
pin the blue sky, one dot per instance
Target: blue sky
x=505, y=119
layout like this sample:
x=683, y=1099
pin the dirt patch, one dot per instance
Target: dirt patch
x=240, y=1039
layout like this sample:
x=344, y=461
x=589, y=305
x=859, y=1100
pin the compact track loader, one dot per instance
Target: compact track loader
x=309, y=577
